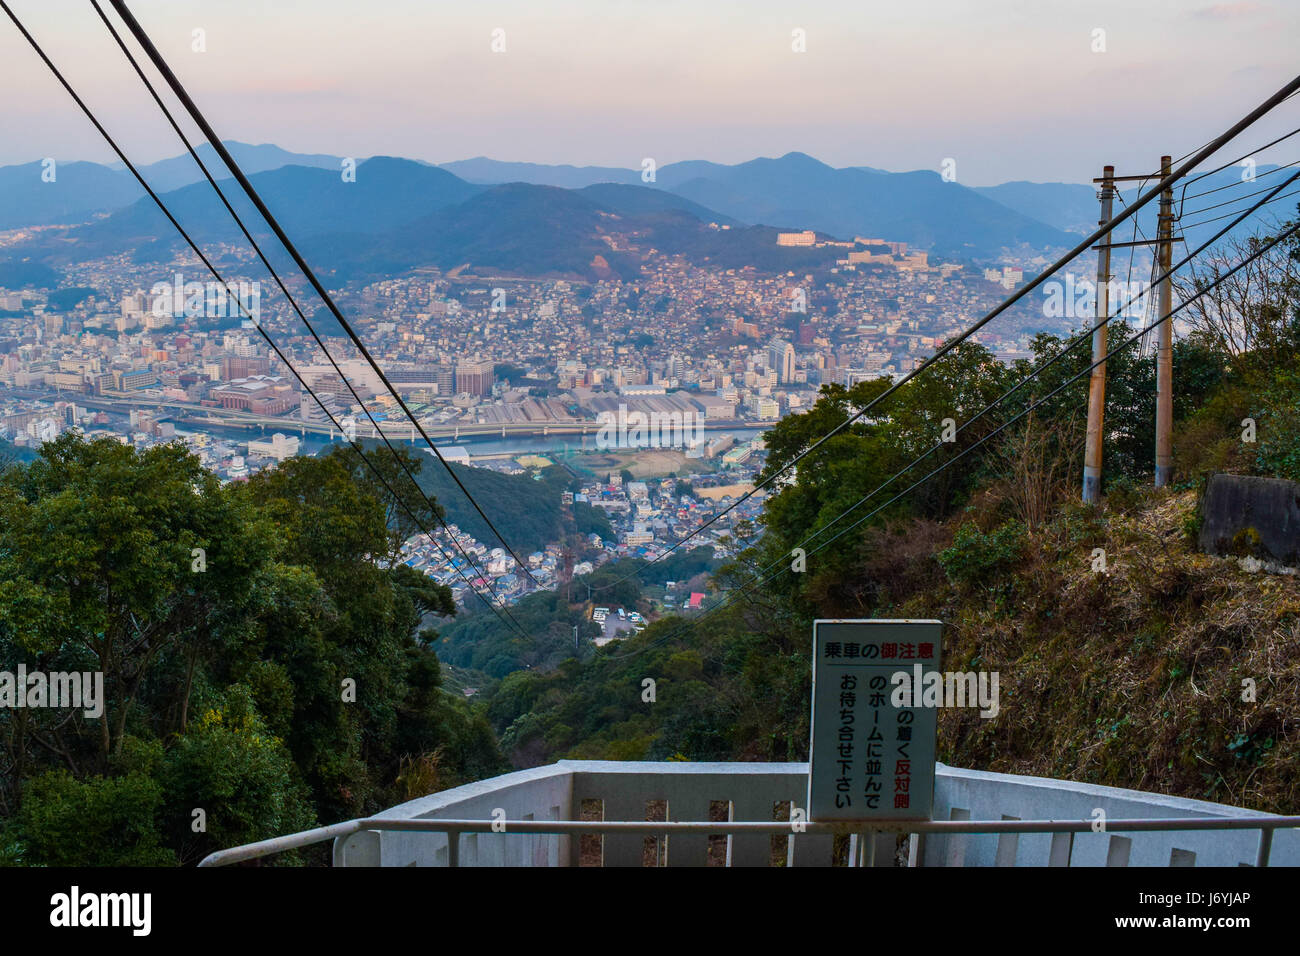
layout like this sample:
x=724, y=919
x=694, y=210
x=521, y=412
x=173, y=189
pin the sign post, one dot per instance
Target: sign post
x=872, y=754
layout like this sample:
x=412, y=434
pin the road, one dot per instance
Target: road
x=199, y=415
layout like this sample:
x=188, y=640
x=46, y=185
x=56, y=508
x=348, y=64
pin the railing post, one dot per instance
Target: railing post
x=1061, y=850
x=916, y=850
x=453, y=848
x=1265, y=846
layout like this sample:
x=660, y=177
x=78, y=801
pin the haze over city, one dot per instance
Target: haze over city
x=893, y=86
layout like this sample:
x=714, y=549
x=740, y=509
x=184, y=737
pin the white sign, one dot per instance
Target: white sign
x=870, y=759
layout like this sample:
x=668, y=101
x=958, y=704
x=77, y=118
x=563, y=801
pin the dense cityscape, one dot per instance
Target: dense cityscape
x=149, y=355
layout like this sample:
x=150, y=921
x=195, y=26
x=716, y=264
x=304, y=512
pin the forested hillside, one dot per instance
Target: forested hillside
x=525, y=508
x=479, y=640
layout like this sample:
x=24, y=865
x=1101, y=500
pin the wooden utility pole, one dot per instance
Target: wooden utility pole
x=566, y=573
x=1165, y=351
x=1097, y=381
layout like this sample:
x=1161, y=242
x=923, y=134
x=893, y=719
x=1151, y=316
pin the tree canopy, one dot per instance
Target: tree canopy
x=259, y=651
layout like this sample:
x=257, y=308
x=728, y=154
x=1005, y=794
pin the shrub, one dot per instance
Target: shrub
x=1123, y=495
x=976, y=558
x=99, y=821
x=1279, y=439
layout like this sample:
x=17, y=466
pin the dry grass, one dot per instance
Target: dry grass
x=420, y=776
x=1133, y=677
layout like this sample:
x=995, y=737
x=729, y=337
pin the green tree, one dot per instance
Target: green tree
x=127, y=556
x=263, y=658
x=241, y=778
x=98, y=821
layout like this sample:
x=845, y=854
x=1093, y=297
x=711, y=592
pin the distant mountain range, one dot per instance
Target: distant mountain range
x=533, y=219
x=492, y=172
x=77, y=192
x=80, y=190
x=1069, y=206
x=797, y=191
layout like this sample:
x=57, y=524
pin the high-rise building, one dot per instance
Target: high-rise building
x=421, y=377
x=136, y=379
x=780, y=358
x=278, y=447
x=474, y=377
x=236, y=366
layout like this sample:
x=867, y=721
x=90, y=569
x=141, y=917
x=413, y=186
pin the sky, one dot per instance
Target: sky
x=1006, y=89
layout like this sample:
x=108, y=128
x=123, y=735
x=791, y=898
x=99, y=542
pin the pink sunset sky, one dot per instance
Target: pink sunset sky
x=1010, y=89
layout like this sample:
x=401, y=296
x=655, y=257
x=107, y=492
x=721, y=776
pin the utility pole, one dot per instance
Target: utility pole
x=1165, y=351
x=1097, y=381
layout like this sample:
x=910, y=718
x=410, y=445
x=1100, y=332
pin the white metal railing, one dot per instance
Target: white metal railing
x=454, y=829
x=980, y=819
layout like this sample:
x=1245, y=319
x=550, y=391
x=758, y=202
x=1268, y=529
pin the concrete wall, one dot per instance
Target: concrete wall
x=751, y=791
x=975, y=795
x=764, y=792
x=543, y=793
x=1271, y=506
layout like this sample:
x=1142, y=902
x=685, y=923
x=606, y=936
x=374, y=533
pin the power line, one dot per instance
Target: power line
x=1242, y=158
x=1148, y=315
x=190, y=242
x=777, y=565
x=1229, y=215
x=1234, y=199
x=433, y=509
x=1285, y=235
x=948, y=347
x=180, y=92
x=1099, y=234
x=659, y=642
x=757, y=582
x=1207, y=142
x=1217, y=189
x=1137, y=231
x=1196, y=212
x=1051, y=361
x=215, y=141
